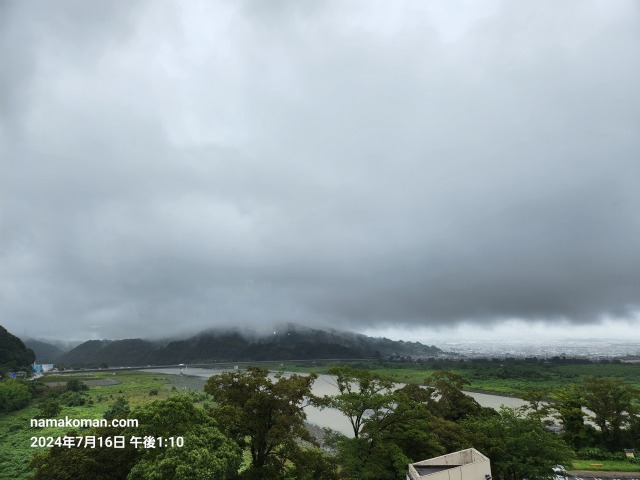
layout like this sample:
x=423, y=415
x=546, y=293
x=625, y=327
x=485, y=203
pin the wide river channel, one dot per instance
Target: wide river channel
x=326, y=385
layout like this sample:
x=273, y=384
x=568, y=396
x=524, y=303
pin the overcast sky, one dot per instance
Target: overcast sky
x=378, y=166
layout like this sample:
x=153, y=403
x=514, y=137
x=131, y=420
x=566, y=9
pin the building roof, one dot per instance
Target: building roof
x=464, y=464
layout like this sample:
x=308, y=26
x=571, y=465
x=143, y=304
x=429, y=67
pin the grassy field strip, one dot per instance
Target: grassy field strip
x=605, y=466
x=16, y=433
x=489, y=377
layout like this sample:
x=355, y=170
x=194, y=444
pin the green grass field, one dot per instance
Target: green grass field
x=490, y=377
x=16, y=432
x=605, y=466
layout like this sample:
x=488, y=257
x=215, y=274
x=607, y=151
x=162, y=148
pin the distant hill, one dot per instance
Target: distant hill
x=45, y=352
x=289, y=342
x=14, y=355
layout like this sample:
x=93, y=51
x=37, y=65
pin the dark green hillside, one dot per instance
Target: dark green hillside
x=129, y=352
x=45, y=352
x=291, y=334
x=14, y=355
x=114, y=353
x=290, y=342
x=84, y=353
x=205, y=347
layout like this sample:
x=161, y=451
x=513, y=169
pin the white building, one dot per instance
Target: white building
x=467, y=464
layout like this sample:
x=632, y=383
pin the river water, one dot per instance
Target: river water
x=326, y=385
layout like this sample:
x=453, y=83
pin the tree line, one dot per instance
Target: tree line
x=254, y=428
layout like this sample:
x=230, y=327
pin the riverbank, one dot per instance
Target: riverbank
x=197, y=378
x=325, y=385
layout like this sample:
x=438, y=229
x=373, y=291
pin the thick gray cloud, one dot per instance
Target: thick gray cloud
x=171, y=166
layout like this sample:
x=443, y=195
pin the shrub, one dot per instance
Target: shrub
x=596, y=453
x=49, y=409
x=72, y=399
x=75, y=385
x=120, y=409
x=14, y=395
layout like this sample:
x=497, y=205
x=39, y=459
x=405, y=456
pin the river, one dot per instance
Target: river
x=326, y=385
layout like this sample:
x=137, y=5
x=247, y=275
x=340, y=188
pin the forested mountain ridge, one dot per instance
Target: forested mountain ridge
x=45, y=352
x=289, y=342
x=14, y=355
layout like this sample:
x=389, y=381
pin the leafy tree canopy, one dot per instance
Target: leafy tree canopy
x=452, y=403
x=614, y=404
x=519, y=447
x=568, y=406
x=363, y=396
x=14, y=395
x=265, y=415
x=206, y=453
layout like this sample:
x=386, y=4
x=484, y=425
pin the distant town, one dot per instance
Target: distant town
x=592, y=349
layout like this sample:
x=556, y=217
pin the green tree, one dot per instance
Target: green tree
x=452, y=403
x=362, y=459
x=72, y=399
x=451, y=435
x=65, y=464
x=391, y=427
x=119, y=409
x=14, y=395
x=313, y=464
x=411, y=425
x=633, y=433
x=264, y=415
x=417, y=430
x=519, y=447
x=100, y=463
x=614, y=406
x=49, y=408
x=364, y=396
x=568, y=405
x=207, y=455
x=538, y=406
x=75, y=385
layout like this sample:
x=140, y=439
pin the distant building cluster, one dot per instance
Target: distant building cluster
x=37, y=370
x=594, y=350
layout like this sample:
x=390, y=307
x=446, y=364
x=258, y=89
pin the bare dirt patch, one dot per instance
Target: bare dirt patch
x=105, y=382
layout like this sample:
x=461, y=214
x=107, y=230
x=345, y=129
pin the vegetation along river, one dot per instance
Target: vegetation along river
x=326, y=385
